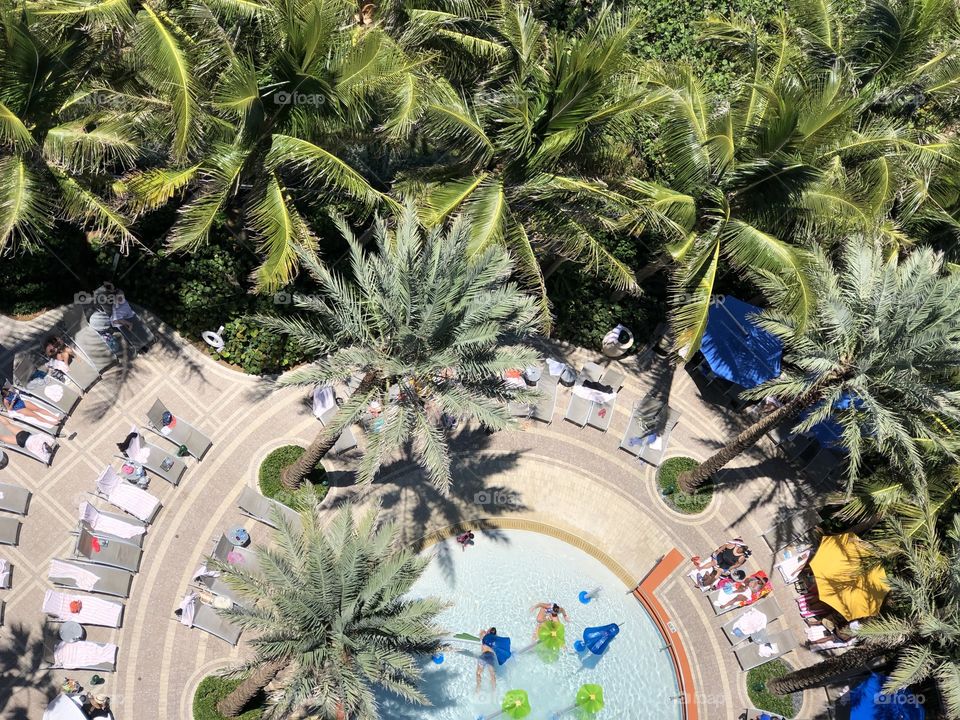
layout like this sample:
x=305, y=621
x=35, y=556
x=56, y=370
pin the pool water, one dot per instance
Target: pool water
x=495, y=582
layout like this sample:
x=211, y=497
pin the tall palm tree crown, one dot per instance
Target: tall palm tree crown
x=332, y=618
x=878, y=355
x=428, y=329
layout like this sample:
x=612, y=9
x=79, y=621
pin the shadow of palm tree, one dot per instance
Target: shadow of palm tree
x=23, y=685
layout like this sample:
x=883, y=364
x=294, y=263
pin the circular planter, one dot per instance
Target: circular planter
x=677, y=501
x=268, y=474
x=760, y=699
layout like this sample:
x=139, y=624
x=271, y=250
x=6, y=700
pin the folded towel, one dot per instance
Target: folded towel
x=596, y=396
x=84, y=579
x=83, y=654
x=750, y=622
x=53, y=392
x=203, y=571
x=40, y=446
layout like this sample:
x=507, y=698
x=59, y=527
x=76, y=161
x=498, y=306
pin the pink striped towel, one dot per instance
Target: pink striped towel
x=93, y=611
x=83, y=654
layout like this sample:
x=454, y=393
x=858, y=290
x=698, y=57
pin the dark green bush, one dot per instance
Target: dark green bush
x=273, y=465
x=680, y=501
x=256, y=350
x=210, y=691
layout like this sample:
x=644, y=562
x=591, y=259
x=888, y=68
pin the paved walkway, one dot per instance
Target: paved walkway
x=572, y=478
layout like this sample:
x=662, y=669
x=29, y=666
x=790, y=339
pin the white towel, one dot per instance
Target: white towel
x=93, y=610
x=53, y=392
x=4, y=573
x=188, y=606
x=40, y=446
x=111, y=526
x=768, y=650
x=792, y=566
x=203, y=571
x=555, y=367
x=323, y=400
x=84, y=579
x=596, y=396
x=31, y=420
x=750, y=622
x=83, y=654
x=133, y=500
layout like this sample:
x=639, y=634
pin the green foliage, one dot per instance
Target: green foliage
x=258, y=351
x=688, y=504
x=210, y=691
x=763, y=699
x=273, y=465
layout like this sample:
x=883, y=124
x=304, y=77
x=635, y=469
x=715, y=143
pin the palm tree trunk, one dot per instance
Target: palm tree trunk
x=234, y=703
x=692, y=479
x=292, y=476
x=853, y=661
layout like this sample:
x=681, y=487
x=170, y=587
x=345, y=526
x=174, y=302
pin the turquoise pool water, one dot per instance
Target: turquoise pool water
x=495, y=582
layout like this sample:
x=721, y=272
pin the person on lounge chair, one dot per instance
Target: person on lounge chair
x=59, y=355
x=727, y=557
x=747, y=595
x=37, y=444
x=14, y=402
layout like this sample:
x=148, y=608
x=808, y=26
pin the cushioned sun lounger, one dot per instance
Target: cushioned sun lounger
x=14, y=498
x=653, y=450
x=749, y=656
x=79, y=370
x=129, y=498
x=50, y=428
x=241, y=558
x=578, y=411
x=723, y=596
x=265, y=509
x=92, y=610
x=80, y=655
x=546, y=405
x=219, y=586
x=155, y=459
x=768, y=606
x=9, y=530
x=207, y=619
x=180, y=432
x=602, y=413
x=38, y=382
x=113, y=525
x=89, y=577
x=39, y=446
x=86, y=340
x=645, y=417
x=792, y=529
x=113, y=552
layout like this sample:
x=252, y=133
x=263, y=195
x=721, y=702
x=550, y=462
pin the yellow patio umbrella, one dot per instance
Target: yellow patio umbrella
x=845, y=581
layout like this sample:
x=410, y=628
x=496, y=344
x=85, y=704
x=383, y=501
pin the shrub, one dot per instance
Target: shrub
x=762, y=699
x=210, y=691
x=256, y=350
x=680, y=501
x=273, y=465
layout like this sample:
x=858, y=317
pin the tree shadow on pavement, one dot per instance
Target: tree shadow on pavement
x=24, y=687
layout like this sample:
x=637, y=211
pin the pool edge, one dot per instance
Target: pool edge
x=643, y=591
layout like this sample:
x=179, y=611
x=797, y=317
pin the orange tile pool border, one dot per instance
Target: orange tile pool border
x=642, y=591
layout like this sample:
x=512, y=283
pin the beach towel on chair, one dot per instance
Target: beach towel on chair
x=111, y=526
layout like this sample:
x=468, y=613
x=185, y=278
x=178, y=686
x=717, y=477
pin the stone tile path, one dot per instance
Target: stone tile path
x=571, y=478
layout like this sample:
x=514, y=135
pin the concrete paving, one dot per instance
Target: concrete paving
x=559, y=474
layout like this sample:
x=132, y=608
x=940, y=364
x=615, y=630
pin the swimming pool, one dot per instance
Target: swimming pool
x=495, y=582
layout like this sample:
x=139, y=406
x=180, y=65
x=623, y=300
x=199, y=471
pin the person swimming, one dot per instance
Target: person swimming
x=488, y=657
x=548, y=611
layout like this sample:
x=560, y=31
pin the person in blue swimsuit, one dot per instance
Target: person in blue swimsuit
x=488, y=657
x=15, y=402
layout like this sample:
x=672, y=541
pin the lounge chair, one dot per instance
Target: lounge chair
x=207, y=619
x=50, y=428
x=546, y=405
x=80, y=655
x=768, y=606
x=121, y=527
x=219, y=586
x=6, y=573
x=578, y=411
x=155, y=459
x=325, y=407
x=9, y=531
x=127, y=497
x=721, y=595
x=181, y=433
x=602, y=413
x=79, y=370
x=239, y=557
x=113, y=552
x=749, y=656
x=35, y=381
x=71, y=574
x=265, y=510
x=39, y=445
x=791, y=567
x=648, y=433
x=14, y=498
x=93, y=610
x=85, y=340
x=793, y=529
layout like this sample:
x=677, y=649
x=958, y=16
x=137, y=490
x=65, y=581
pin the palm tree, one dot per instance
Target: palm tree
x=430, y=332
x=537, y=147
x=332, y=618
x=920, y=637
x=70, y=122
x=286, y=93
x=885, y=335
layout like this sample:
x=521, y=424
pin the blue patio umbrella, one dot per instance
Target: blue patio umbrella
x=829, y=432
x=735, y=348
x=869, y=702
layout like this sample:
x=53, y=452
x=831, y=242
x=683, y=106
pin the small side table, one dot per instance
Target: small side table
x=238, y=537
x=71, y=631
x=532, y=375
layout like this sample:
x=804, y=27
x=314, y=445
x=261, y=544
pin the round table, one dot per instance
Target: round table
x=238, y=536
x=568, y=377
x=71, y=631
x=532, y=375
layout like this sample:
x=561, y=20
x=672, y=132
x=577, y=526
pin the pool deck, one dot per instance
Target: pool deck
x=573, y=480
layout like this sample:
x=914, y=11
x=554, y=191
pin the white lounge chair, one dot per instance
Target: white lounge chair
x=265, y=510
x=89, y=577
x=139, y=503
x=578, y=411
x=768, y=606
x=50, y=428
x=207, y=619
x=93, y=610
x=9, y=530
x=122, y=527
x=80, y=655
x=325, y=410
x=602, y=413
x=546, y=406
x=180, y=432
x=37, y=445
x=85, y=340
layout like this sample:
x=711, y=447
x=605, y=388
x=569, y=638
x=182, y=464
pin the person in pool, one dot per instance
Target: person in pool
x=488, y=657
x=548, y=611
x=465, y=540
x=14, y=402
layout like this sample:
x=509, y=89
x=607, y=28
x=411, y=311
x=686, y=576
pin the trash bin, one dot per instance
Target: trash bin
x=617, y=342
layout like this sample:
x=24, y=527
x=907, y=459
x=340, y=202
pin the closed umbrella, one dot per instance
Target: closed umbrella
x=845, y=581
